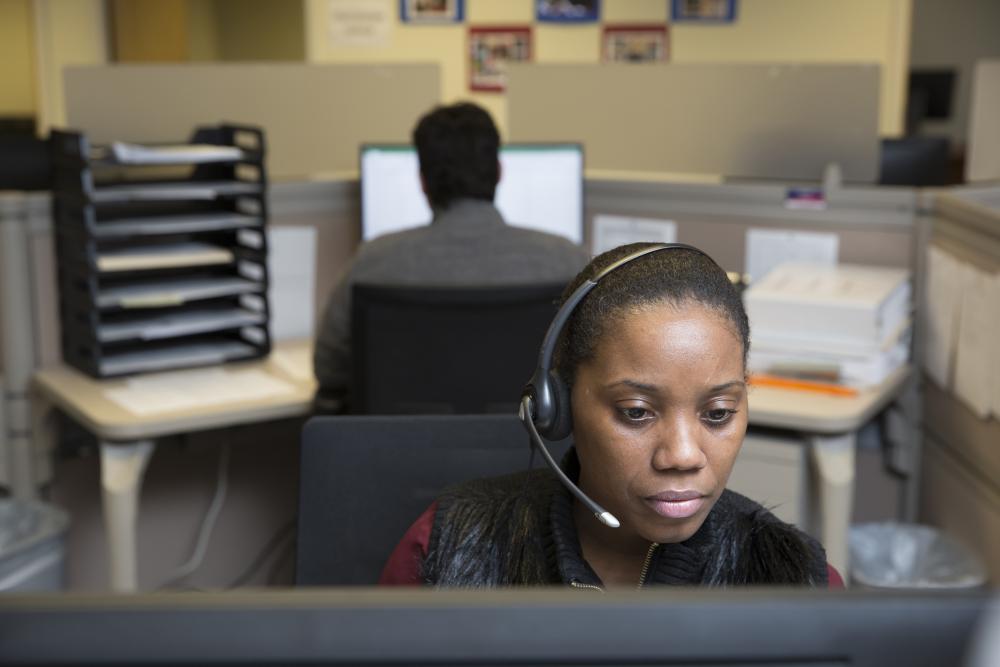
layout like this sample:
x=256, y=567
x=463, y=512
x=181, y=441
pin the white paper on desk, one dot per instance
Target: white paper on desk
x=611, y=231
x=190, y=389
x=974, y=356
x=767, y=248
x=358, y=22
x=941, y=312
x=291, y=262
x=296, y=363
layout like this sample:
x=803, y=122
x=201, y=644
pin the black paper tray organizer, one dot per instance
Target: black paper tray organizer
x=162, y=251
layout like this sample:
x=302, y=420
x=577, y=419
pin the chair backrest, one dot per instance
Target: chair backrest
x=446, y=350
x=365, y=479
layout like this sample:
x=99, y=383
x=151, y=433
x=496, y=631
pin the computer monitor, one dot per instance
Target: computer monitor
x=914, y=161
x=541, y=187
x=537, y=627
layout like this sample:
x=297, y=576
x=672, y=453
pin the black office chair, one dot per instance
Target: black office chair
x=365, y=479
x=446, y=350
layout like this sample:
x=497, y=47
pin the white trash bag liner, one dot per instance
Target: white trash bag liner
x=31, y=546
x=908, y=555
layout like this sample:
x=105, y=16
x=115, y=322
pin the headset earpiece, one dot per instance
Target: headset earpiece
x=561, y=420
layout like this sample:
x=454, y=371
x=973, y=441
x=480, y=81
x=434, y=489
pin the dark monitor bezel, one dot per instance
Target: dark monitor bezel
x=667, y=626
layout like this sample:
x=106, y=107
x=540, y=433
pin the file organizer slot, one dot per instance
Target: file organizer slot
x=162, y=251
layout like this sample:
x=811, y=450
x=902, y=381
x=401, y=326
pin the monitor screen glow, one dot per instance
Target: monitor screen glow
x=541, y=187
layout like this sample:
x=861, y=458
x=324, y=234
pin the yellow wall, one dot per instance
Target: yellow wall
x=202, y=35
x=259, y=30
x=150, y=30
x=765, y=31
x=67, y=32
x=17, y=94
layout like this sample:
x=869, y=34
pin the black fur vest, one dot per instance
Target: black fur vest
x=519, y=530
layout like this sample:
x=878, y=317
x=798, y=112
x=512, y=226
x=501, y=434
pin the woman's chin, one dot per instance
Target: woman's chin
x=671, y=531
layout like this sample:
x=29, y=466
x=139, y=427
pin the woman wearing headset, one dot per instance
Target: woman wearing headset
x=650, y=375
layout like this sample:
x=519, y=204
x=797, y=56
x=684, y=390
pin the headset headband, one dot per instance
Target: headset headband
x=538, y=387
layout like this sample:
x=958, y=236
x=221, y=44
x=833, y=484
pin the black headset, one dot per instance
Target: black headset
x=545, y=402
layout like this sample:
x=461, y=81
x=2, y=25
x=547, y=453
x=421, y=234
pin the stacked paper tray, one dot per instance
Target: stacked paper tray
x=162, y=273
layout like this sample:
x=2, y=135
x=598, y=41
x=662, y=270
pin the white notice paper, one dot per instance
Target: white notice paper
x=359, y=22
x=291, y=261
x=767, y=248
x=973, y=358
x=941, y=314
x=611, y=231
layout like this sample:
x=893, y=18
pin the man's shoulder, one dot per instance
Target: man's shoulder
x=548, y=243
x=390, y=242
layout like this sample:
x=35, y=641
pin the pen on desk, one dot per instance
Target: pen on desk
x=778, y=382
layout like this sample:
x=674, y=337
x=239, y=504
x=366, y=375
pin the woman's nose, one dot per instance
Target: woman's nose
x=677, y=445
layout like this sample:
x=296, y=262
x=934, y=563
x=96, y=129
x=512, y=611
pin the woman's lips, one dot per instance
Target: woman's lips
x=676, y=504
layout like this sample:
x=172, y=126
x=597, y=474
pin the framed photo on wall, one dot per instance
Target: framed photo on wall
x=635, y=43
x=490, y=50
x=703, y=11
x=431, y=11
x=568, y=11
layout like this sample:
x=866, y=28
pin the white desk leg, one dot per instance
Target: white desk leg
x=122, y=467
x=834, y=459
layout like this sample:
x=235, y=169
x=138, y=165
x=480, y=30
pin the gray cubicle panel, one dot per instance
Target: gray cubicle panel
x=29, y=318
x=315, y=116
x=983, y=159
x=735, y=120
x=875, y=225
x=959, y=489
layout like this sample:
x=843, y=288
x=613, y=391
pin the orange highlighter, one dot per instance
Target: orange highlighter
x=779, y=382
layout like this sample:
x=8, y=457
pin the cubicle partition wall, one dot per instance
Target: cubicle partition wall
x=315, y=116
x=735, y=120
x=872, y=225
x=959, y=490
x=983, y=159
x=29, y=328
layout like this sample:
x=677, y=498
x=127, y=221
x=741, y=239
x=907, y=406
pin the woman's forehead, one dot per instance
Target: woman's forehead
x=685, y=336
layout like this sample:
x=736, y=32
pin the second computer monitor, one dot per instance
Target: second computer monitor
x=541, y=187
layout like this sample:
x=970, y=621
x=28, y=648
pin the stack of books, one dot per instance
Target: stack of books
x=845, y=324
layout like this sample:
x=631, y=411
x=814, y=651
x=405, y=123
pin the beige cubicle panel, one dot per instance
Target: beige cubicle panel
x=315, y=116
x=736, y=120
x=959, y=489
x=983, y=159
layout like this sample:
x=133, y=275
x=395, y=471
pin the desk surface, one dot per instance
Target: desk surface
x=103, y=406
x=815, y=412
x=159, y=404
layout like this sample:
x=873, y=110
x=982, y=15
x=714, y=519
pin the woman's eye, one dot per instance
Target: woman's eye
x=719, y=416
x=636, y=414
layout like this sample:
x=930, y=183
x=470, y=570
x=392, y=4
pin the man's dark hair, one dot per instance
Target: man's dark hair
x=677, y=277
x=458, y=149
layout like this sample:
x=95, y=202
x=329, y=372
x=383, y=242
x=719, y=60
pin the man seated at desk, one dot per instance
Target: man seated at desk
x=467, y=243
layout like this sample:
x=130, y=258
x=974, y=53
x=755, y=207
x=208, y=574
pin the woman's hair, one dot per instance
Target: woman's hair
x=676, y=276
